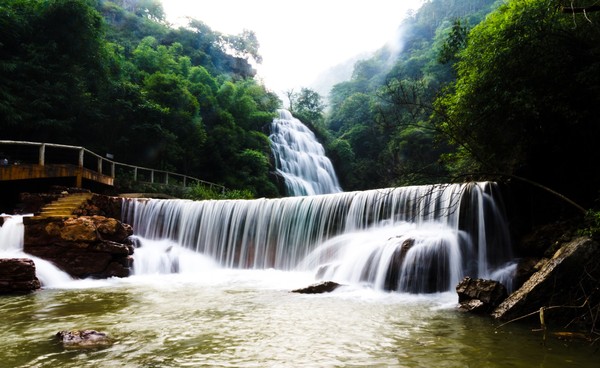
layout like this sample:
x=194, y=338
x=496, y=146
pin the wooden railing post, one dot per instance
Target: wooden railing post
x=99, y=165
x=112, y=169
x=79, y=178
x=42, y=156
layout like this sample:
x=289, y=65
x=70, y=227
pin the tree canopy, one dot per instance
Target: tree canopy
x=114, y=77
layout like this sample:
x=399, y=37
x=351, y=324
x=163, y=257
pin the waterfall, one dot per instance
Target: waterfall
x=300, y=159
x=416, y=239
x=11, y=246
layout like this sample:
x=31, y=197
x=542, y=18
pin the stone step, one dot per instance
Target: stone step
x=64, y=206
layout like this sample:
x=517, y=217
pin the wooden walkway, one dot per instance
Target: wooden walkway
x=21, y=160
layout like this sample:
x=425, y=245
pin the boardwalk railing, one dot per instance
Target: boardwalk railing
x=30, y=160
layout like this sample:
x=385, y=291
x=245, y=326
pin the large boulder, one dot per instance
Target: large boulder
x=566, y=280
x=86, y=246
x=479, y=295
x=17, y=275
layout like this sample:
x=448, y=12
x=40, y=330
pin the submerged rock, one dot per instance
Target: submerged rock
x=77, y=339
x=480, y=296
x=17, y=275
x=319, y=288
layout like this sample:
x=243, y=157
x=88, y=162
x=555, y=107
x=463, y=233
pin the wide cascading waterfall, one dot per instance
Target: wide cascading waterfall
x=415, y=239
x=300, y=159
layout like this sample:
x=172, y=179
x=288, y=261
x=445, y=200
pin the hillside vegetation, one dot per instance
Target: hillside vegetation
x=114, y=77
x=483, y=89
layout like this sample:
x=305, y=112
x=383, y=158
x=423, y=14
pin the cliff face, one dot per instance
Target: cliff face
x=86, y=246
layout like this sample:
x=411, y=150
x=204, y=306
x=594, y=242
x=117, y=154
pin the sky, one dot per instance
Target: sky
x=299, y=39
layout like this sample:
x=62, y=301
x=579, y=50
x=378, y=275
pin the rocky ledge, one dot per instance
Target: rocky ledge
x=86, y=246
x=563, y=293
x=566, y=286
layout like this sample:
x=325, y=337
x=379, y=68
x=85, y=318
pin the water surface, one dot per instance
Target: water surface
x=243, y=318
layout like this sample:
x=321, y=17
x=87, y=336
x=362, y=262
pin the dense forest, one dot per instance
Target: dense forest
x=482, y=89
x=479, y=90
x=113, y=76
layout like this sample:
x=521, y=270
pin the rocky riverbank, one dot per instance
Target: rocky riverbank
x=563, y=294
x=85, y=246
x=91, y=241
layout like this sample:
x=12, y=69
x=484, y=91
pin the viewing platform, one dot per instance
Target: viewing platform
x=22, y=160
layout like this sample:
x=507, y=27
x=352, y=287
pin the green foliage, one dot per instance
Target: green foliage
x=591, y=224
x=201, y=192
x=307, y=105
x=522, y=102
x=456, y=40
x=383, y=112
x=114, y=77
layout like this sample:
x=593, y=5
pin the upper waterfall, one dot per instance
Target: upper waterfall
x=300, y=158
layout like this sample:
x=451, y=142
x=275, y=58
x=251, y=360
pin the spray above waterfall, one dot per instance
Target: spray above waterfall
x=300, y=159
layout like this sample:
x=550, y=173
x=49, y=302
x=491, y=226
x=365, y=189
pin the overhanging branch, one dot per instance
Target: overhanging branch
x=583, y=9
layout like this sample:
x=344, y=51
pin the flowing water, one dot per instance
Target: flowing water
x=300, y=159
x=415, y=239
x=219, y=317
x=212, y=281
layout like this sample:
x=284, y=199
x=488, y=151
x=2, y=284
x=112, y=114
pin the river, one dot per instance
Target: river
x=216, y=317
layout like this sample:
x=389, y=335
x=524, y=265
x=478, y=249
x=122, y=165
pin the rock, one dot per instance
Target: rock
x=480, y=296
x=77, y=339
x=17, y=275
x=392, y=277
x=565, y=280
x=87, y=246
x=526, y=267
x=319, y=288
x=101, y=205
x=546, y=238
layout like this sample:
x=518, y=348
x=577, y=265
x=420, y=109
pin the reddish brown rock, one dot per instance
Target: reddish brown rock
x=17, y=275
x=87, y=246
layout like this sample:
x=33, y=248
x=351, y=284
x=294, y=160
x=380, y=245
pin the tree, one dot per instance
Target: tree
x=244, y=45
x=522, y=102
x=309, y=106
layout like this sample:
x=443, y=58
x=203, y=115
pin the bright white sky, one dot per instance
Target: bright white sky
x=299, y=38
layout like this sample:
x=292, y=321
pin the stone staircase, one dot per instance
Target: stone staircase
x=64, y=206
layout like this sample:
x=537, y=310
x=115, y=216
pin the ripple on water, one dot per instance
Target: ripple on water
x=230, y=322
